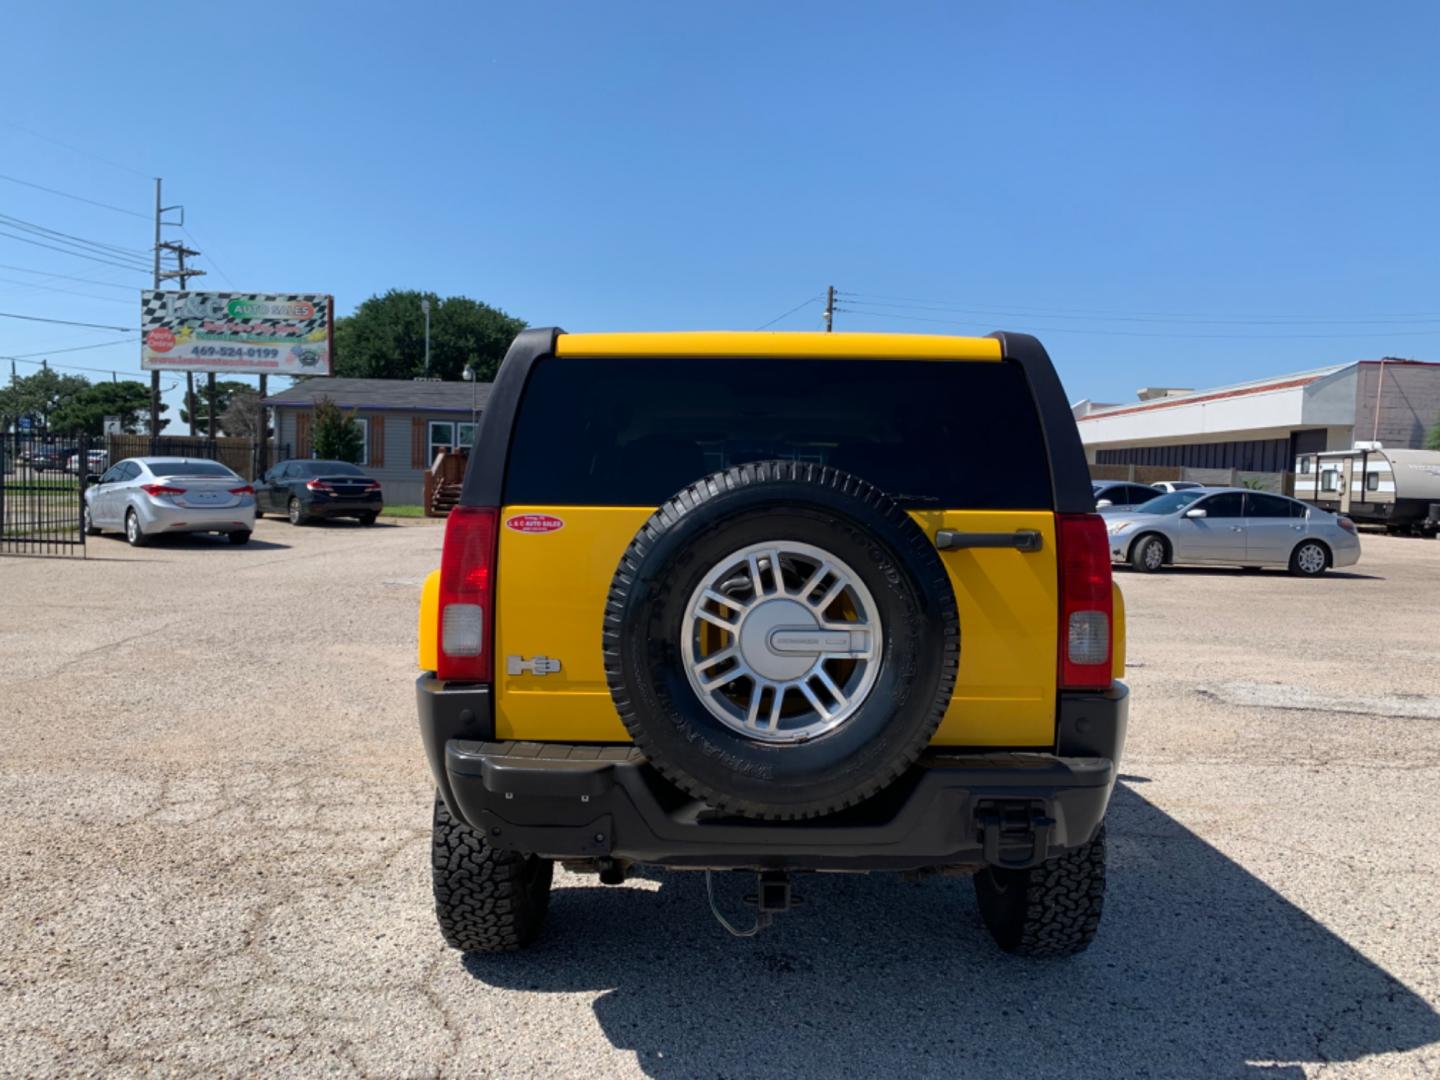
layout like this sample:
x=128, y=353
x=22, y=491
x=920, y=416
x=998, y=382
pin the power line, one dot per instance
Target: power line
x=787, y=314
x=77, y=254
x=75, y=348
x=69, y=322
x=211, y=258
x=910, y=304
x=113, y=250
x=1145, y=333
x=77, y=198
x=67, y=292
x=76, y=150
x=67, y=277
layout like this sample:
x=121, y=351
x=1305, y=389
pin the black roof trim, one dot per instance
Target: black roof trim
x=485, y=476
x=1069, y=473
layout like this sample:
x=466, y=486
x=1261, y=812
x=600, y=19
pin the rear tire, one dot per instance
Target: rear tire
x=367, y=519
x=134, y=534
x=1148, y=554
x=485, y=900
x=1050, y=910
x=1310, y=558
x=296, y=513
x=238, y=538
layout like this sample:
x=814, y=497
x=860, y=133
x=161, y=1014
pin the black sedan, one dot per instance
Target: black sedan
x=306, y=491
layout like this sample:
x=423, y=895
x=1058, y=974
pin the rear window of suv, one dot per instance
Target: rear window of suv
x=633, y=432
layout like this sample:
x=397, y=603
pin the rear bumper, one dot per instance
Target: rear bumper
x=952, y=808
x=157, y=518
x=344, y=507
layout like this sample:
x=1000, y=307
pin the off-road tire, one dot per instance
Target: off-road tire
x=1301, y=566
x=486, y=900
x=1142, y=556
x=1050, y=910
x=857, y=523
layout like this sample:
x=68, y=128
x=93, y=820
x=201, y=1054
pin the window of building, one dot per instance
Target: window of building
x=464, y=436
x=1329, y=480
x=364, y=427
x=1372, y=480
x=1305, y=464
x=442, y=437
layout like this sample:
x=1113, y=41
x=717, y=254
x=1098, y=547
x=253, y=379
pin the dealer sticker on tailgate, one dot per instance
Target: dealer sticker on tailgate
x=534, y=523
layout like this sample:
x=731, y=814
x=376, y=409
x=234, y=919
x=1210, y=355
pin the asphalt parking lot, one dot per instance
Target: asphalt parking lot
x=216, y=822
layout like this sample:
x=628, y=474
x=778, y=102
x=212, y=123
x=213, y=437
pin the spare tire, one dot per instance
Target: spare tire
x=781, y=640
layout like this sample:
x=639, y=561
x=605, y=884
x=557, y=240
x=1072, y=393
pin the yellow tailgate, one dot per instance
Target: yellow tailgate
x=553, y=585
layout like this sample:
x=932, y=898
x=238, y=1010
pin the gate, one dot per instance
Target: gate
x=42, y=484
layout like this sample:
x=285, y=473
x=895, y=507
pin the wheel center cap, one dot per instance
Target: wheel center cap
x=781, y=639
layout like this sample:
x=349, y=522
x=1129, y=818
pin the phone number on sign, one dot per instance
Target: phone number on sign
x=227, y=351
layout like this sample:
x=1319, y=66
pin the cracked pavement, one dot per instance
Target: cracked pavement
x=216, y=821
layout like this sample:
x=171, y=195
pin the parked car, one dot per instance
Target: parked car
x=95, y=461
x=1232, y=526
x=43, y=458
x=306, y=490
x=1168, y=486
x=145, y=497
x=764, y=551
x=1120, y=495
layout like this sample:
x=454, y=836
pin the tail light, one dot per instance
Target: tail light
x=467, y=595
x=373, y=485
x=1086, y=602
x=1346, y=524
x=318, y=485
x=245, y=490
x=161, y=489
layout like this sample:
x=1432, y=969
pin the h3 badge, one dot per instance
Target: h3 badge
x=539, y=665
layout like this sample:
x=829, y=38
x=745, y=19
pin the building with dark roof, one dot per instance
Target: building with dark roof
x=404, y=424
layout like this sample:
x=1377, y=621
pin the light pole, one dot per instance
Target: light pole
x=469, y=375
x=425, y=307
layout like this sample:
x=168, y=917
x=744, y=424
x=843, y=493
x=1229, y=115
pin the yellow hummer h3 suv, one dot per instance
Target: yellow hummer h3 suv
x=774, y=602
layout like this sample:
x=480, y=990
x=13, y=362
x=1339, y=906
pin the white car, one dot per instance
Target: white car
x=1168, y=486
x=145, y=497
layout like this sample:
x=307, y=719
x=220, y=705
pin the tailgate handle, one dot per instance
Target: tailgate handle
x=1020, y=540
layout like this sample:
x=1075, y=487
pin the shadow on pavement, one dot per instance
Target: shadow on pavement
x=1240, y=571
x=1200, y=969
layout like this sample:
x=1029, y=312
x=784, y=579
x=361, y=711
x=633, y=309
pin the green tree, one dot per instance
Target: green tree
x=40, y=395
x=1432, y=440
x=225, y=390
x=385, y=337
x=337, y=436
x=86, y=411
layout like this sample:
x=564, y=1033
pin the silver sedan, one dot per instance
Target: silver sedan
x=1232, y=526
x=145, y=497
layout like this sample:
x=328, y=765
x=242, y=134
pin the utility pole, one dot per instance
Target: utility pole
x=183, y=274
x=829, y=308
x=155, y=374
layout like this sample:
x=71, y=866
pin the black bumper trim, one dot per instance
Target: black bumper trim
x=952, y=808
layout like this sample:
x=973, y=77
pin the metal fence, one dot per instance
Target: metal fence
x=248, y=457
x=42, y=485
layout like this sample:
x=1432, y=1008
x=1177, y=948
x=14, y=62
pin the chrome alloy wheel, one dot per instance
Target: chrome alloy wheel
x=1310, y=558
x=1154, y=554
x=782, y=641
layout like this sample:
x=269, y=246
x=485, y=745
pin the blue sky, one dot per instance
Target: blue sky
x=1166, y=193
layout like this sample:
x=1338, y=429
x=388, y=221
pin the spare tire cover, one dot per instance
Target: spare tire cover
x=781, y=640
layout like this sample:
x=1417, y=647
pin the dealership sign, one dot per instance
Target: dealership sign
x=258, y=333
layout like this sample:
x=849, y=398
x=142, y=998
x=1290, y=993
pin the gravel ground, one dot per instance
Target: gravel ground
x=216, y=819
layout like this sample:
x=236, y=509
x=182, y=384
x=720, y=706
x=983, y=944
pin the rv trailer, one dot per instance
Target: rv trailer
x=1399, y=489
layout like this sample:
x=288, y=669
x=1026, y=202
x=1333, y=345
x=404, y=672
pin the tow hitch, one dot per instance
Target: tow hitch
x=1008, y=824
x=772, y=896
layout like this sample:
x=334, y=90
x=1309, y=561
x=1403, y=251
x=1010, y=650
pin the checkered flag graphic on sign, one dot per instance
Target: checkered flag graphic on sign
x=177, y=309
